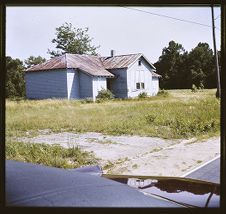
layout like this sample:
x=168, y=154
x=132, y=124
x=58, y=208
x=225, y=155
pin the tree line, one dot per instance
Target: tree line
x=179, y=69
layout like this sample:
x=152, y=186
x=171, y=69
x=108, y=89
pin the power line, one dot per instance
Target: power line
x=170, y=17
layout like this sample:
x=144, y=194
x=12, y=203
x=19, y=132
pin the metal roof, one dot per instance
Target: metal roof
x=54, y=63
x=93, y=65
x=89, y=64
x=120, y=61
x=123, y=61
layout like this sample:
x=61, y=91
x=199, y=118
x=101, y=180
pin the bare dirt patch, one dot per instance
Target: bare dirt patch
x=136, y=155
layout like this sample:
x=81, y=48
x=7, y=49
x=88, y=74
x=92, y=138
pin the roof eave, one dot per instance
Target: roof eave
x=116, y=68
x=157, y=75
x=141, y=55
x=94, y=75
x=41, y=70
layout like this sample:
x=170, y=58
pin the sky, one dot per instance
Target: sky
x=29, y=30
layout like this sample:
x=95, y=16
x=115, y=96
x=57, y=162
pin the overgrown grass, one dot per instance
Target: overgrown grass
x=181, y=114
x=187, y=119
x=50, y=155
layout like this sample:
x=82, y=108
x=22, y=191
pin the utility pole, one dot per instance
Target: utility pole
x=218, y=95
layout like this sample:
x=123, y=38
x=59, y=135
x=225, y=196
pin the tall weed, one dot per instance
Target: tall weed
x=50, y=155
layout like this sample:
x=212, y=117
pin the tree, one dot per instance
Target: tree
x=201, y=66
x=169, y=65
x=32, y=60
x=72, y=40
x=180, y=69
x=15, y=84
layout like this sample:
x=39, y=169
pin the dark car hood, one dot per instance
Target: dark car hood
x=37, y=185
x=33, y=185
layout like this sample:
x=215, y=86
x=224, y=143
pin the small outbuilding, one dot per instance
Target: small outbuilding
x=74, y=76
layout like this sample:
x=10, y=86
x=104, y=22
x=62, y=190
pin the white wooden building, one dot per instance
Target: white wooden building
x=74, y=76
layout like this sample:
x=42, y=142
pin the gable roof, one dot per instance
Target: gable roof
x=89, y=64
x=120, y=61
x=93, y=65
x=54, y=63
x=123, y=61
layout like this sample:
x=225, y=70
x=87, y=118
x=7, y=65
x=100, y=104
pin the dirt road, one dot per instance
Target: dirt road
x=137, y=155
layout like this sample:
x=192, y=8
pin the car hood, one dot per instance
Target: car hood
x=185, y=191
x=30, y=184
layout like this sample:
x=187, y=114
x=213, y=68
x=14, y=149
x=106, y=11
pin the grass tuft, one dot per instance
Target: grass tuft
x=50, y=155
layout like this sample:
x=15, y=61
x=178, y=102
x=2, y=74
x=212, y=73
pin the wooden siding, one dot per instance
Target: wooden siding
x=118, y=85
x=85, y=85
x=48, y=84
x=73, y=85
x=141, y=74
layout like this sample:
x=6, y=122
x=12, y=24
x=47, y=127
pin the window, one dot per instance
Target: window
x=139, y=62
x=142, y=85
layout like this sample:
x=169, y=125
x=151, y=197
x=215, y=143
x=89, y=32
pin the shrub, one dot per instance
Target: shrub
x=201, y=86
x=163, y=93
x=87, y=100
x=150, y=118
x=143, y=95
x=105, y=94
x=17, y=99
x=194, y=88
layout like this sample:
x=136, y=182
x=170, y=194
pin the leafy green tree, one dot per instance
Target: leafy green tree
x=72, y=40
x=169, y=65
x=201, y=66
x=180, y=69
x=15, y=84
x=211, y=79
x=32, y=60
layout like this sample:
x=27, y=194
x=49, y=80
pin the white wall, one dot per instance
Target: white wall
x=155, y=85
x=141, y=73
x=73, y=84
x=46, y=84
x=98, y=84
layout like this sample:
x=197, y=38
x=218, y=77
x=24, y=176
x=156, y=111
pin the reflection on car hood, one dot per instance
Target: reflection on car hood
x=189, y=192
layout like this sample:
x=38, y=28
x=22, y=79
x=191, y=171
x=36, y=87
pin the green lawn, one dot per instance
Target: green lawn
x=182, y=114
